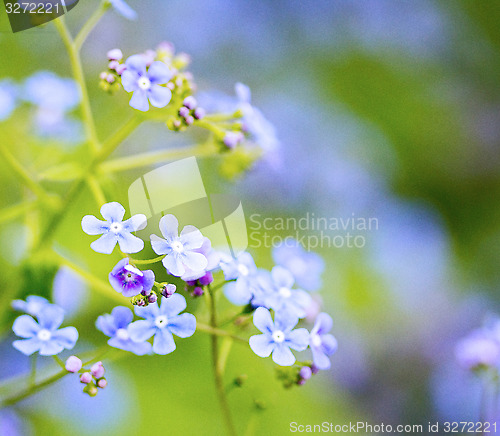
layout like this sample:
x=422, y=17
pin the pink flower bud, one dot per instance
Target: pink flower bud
x=120, y=69
x=97, y=370
x=86, y=378
x=73, y=364
x=115, y=55
x=102, y=383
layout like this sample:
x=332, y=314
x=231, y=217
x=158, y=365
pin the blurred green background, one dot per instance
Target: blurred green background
x=386, y=109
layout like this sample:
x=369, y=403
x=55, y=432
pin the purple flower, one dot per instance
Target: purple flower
x=44, y=336
x=145, y=83
x=278, y=336
x=161, y=322
x=213, y=259
x=480, y=348
x=279, y=295
x=7, y=99
x=123, y=9
x=32, y=306
x=115, y=325
x=130, y=281
x=114, y=230
x=306, y=267
x=181, y=251
x=243, y=270
x=322, y=344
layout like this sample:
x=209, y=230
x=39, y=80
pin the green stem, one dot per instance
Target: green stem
x=96, y=190
x=219, y=382
x=17, y=210
x=219, y=332
x=59, y=362
x=76, y=66
x=147, y=261
x=90, y=24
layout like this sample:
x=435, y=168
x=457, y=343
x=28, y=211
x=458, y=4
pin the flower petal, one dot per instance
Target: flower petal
x=148, y=280
x=136, y=63
x=106, y=324
x=139, y=100
x=159, y=96
x=263, y=321
x=173, y=305
x=282, y=277
x=163, y=342
x=27, y=346
x=66, y=337
x=129, y=243
x=191, y=238
x=113, y=212
x=320, y=359
x=283, y=356
x=194, y=261
x=329, y=344
x=129, y=80
x=124, y=9
x=183, y=325
x=93, y=226
x=25, y=326
x=105, y=244
x=262, y=345
x=285, y=320
x=173, y=264
x=323, y=324
x=237, y=293
x=51, y=317
x=122, y=316
x=159, y=73
x=298, y=339
x=141, y=331
x=169, y=227
x=135, y=223
x=138, y=348
x=159, y=245
x=50, y=348
x=149, y=312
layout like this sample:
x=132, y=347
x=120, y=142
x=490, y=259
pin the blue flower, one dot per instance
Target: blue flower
x=44, y=336
x=161, y=322
x=130, y=281
x=277, y=293
x=70, y=291
x=115, y=325
x=243, y=270
x=480, y=348
x=114, y=230
x=7, y=99
x=213, y=259
x=322, y=344
x=278, y=337
x=306, y=267
x=124, y=9
x=181, y=251
x=145, y=84
x=32, y=306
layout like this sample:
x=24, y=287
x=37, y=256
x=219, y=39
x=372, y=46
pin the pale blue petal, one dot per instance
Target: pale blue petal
x=169, y=227
x=136, y=63
x=159, y=245
x=282, y=277
x=141, y=331
x=159, y=73
x=262, y=345
x=50, y=317
x=194, y=261
x=50, y=348
x=285, y=321
x=243, y=92
x=183, y=325
x=113, y=212
x=247, y=260
x=122, y=316
x=173, y=265
x=93, y=226
x=106, y=324
x=124, y=9
x=163, y=342
x=297, y=339
x=159, y=96
x=66, y=337
x=130, y=243
x=105, y=244
x=129, y=80
x=138, y=348
x=191, y=238
x=25, y=327
x=173, y=305
x=263, y=321
x=27, y=346
x=237, y=293
x=150, y=311
x=31, y=306
x=320, y=359
x=323, y=324
x=135, y=223
x=139, y=100
x=329, y=344
x=282, y=355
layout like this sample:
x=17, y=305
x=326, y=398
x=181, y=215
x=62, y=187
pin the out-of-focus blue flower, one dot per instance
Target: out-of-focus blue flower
x=161, y=322
x=130, y=281
x=44, y=336
x=114, y=230
x=32, y=306
x=279, y=295
x=124, y=9
x=181, y=251
x=322, y=344
x=305, y=266
x=115, y=325
x=213, y=259
x=69, y=291
x=7, y=99
x=145, y=83
x=13, y=425
x=481, y=348
x=243, y=270
x=278, y=337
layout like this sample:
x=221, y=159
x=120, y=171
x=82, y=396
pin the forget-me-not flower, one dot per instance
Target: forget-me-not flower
x=161, y=321
x=130, y=281
x=145, y=83
x=44, y=336
x=213, y=259
x=115, y=325
x=7, y=99
x=181, y=251
x=278, y=337
x=243, y=271
x=305, y=266
x=32, y=306
x=114, y=230
x=322, y=344
x=123, y=9
x=279, y=295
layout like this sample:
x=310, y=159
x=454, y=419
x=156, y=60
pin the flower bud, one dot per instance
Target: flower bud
x=190, y=102
x=305, y=373
x=92, y=391
x=97, y=370
x=73, y=364
x=102, y=383
x=189, y=120
x=120, y=69
x=168, y=290
x=152, y=298
x=183, y=111
x=103, y=75
x=86, y=377
x=199, y=113
x=115, y=55
x=206, y=279
x=113, y=64
x=197, y=291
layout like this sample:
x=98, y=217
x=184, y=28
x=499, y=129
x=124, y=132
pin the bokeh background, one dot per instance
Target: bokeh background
x=386, y=109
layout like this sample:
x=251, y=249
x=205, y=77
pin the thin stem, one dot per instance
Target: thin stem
x=90, y=24
x=96, y=190
x=59, y=362
x=219, y=382
x=219, y=332
x=76, y=66
x=12, y=212
x=147, y=261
